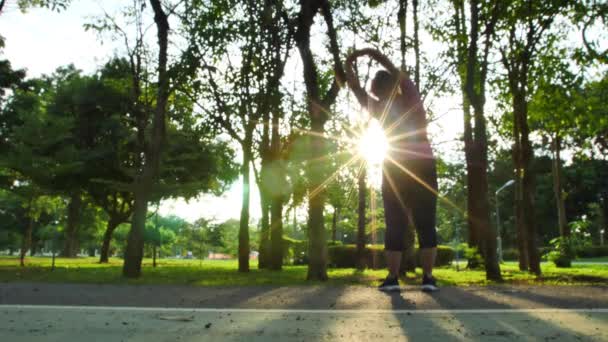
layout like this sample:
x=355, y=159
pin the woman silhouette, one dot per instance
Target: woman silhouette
x=409, y=182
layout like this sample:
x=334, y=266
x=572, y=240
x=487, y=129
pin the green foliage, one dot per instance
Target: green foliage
x=295, y=251
x=565, y=248
x=593, y=252
x=55, y=5
x=474, y=257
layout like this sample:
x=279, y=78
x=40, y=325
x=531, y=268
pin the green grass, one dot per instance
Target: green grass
x=224, y=273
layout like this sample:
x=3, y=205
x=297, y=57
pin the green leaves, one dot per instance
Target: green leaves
x=55, y=5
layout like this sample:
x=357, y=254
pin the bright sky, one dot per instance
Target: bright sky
x=41, y=40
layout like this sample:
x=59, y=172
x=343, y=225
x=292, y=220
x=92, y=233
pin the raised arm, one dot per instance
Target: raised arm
x=353, y=80
x=382, y=59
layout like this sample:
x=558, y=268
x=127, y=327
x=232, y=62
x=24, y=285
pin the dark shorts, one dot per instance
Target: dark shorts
x=403, y=195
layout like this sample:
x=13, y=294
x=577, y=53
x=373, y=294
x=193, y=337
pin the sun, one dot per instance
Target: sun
x=373, y=145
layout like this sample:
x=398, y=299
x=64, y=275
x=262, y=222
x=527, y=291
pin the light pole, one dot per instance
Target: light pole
x=498, y=238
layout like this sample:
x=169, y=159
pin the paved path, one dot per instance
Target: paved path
x=56, y=312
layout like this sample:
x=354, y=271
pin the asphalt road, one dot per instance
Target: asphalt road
x=69, y=312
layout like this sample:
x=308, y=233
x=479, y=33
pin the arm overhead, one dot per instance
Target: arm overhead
x=382, y=59
x=353, y=80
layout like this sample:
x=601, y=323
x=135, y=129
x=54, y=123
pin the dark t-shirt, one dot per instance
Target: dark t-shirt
x=405, y=124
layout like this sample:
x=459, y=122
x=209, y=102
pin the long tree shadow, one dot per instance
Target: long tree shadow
x=554, y=296
x=487, y=324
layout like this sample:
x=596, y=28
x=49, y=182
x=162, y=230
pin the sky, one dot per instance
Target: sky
x=41, y=40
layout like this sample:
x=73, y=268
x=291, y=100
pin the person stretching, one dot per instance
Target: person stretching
x=409, y=171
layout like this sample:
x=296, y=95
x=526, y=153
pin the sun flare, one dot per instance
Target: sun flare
x=372, y=144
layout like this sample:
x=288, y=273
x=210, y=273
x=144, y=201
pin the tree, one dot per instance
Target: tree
x=246, y=93
x=318, y=105
x=526, y=24
x=471, y=34
x=553, y=114
x=148, y=177
x=588, y=15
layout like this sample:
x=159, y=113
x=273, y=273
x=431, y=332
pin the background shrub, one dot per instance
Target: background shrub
x=593, y=252
x=345, y=256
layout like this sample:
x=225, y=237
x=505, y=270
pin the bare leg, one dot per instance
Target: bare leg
x=427, y=259
x=393, y=261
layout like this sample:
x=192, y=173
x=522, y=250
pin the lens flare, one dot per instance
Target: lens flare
x=373, y=145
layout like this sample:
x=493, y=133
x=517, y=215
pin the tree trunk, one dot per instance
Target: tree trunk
x=334, y=224
x=295, y=220
x=263, y=258
x=278, y=195
x=520, y=222
x=416, y=45
x=564, y=230
x=472, y=185
x=264, y=200
x=154, y=255
x=486, y=230
x=244, y=222
x=27, y=241
x=34, y=245
x=402, y=17
x=70, y=247
x=317, y=107
x=361, y=219
x=528, y=189
x=604, y=226
x=317, y=247
x=145, y=182
x=107, y=239
x=134, y=251
x=276, y=232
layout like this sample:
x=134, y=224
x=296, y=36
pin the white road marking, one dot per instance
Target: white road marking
x=299, y=311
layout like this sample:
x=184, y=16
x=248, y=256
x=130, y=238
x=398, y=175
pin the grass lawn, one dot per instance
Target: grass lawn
x=224, y=273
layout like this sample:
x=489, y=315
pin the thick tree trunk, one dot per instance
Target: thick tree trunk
x=361, y=182
x=244, y=222
x=26, y=242
x=70, y=247
x=564, y=230
x=107, y=239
